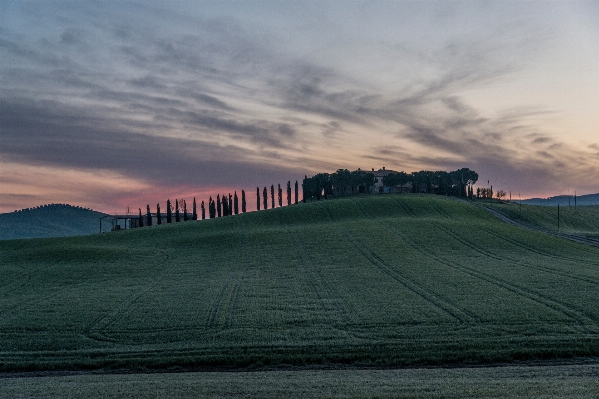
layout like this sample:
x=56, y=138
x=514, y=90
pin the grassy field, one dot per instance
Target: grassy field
x=509, y=382
x=369, y=281
x=583, y=220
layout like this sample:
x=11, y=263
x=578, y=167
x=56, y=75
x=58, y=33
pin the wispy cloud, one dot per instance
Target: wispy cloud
x=148, y=91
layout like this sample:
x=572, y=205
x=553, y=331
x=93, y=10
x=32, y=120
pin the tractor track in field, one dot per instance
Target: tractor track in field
x=15, y=311
x=488, y=254
x=439, y=302
x=573, y=314
x=533, y=249
x=324, y=293
x=513, y=242
x=227, y=296
x=568, y=236
x=243, y=261
x=96, y=329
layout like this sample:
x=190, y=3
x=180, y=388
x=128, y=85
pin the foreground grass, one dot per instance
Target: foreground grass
x=571, y=381
x=371, y=281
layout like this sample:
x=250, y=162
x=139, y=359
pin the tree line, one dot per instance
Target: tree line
x=223, y=205
x=343, y=182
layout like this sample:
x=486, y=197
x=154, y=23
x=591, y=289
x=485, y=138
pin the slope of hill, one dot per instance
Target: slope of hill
x=582, y=220
x=369, y=281
x=54, y=220
x=564, y=200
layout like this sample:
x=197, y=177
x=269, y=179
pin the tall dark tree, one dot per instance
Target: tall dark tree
x=288, y=193
x=184, y=211
x=211, y=208
x=218, y=205
x=230, y=204
x=257, y=198
x=236, y=203
x=148, y=215
x=296, y=192
x=169, y=211
x=280, y=195
x=177, y=215
x=391, y=180
x=225, y=202
x=141, y=219
x=304, y=188
x=194, y=215
x=243, y=208
x=158, y=215
x=203, y=210
x=272, y=195
x=265, y=198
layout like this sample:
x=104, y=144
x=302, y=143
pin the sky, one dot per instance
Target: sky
x=115, y=104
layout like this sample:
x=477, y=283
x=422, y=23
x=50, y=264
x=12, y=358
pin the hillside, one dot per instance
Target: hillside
x=54, y=220
x=368, y=281
x=564, y=200
x=582, y=220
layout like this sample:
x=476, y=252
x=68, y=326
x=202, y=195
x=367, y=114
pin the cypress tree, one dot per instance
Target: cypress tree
x=194, y=215
x=258, y=198
x=265, y=198
x=288, y=192
x=169, y=213
x=296, y=192
x=236, y=203
x=177, y=216
x=280, y=196
x=141, y=219
x=304, y=189
x=184, y=211
x=243, y=201
x=149, y=215
x=211, y=208
x=225, y=202
x=158, y=216
x=203, y=211
x=272, y=195
x=218, y=205
x=230, y=204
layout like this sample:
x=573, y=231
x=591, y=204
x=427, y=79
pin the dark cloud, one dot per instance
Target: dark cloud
x=50, y=133
x=542, y=140
x=205, y=99
x=147, y=82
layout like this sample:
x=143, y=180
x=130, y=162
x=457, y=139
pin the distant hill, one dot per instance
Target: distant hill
x=564, y=200
x=53, y=220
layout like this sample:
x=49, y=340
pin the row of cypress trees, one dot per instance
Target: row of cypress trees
x=225, y=205
x=272, y=195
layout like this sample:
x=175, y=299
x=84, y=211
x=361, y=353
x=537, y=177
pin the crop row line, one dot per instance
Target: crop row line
x=438, y=301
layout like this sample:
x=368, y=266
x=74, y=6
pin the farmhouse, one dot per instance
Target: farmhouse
x=119, y=222
x=380, y=188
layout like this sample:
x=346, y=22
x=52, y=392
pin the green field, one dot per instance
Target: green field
x=575, y=381
x=583, y=220
x=368, y=281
